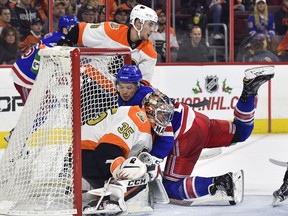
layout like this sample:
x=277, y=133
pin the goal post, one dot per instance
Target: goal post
x=41, y=169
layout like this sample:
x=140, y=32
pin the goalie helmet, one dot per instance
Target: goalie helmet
x=129, y=73
x=159, y=110
x=143, y=13
x=67, y=21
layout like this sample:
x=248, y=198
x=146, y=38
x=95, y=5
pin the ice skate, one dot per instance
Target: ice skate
x=254, y=78
x=105, y=207
x=281, y=194
x=229, y=185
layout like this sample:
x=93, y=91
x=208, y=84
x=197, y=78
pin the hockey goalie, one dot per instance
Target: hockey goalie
x=115, y=161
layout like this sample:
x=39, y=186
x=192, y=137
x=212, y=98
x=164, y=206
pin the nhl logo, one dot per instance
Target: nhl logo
x=211, y=84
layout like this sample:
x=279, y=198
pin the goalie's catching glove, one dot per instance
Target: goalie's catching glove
x=130, y=169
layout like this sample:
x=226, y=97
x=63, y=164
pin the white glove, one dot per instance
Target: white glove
x=130, y=169
x=152, y=162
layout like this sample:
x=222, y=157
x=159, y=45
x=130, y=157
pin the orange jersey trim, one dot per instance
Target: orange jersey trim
x=81, y=27
x=112, y=138
x=88, y=145
x=139, y=117
x=122, y=31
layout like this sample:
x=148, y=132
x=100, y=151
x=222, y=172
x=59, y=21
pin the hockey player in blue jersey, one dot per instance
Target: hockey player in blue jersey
x=192, y=132
x=25, y=69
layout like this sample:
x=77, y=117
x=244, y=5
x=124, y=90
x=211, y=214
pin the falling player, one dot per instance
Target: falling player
x=143, y=21
x=25, y=69
x=193, y=132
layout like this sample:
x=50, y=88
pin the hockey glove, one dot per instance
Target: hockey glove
x=152, y=163
x=130, y=169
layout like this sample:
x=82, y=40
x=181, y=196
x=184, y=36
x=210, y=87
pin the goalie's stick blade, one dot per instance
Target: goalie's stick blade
x=99, y=192
x=279, y=163
x=210, y=153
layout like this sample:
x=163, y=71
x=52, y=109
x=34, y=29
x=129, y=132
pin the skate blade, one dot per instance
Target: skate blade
x=275, y=201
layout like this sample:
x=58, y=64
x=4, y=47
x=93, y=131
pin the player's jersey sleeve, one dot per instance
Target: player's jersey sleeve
x=162, y=145
x=22, y=73
x=114, y=35
x=126, y=127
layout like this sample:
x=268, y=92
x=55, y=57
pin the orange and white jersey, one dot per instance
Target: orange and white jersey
x=114, y=35
x=127, y=127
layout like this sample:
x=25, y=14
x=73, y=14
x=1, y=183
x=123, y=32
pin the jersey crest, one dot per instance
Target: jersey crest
x=114, y=25
x=142, y=116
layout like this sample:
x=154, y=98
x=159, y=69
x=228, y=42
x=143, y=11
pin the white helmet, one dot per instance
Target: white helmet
x=143, y=13
x=159, y=110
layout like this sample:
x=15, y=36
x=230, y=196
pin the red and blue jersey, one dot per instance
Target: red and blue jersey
x=22, y=73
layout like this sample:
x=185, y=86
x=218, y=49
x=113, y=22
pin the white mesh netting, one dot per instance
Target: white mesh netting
x=36, y=169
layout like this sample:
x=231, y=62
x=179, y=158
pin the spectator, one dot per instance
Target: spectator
x=121, y=16
x=282, y=48
x=87, y=14
x=128, y=5
x=281, y=19
x=24, y=14
x=7, y=4
x=194, y=49
x=259, y=50
x=9, y=45
x=58, y=11
x=5, y=17
x=261, y=21
x=112, y=8
x=35, y=35
x=69, y=10
x=42, y=7
x=159, y=38
x=238, y=6
x=215, y=10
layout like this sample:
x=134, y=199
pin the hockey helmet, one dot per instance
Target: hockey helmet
x=129, y=73
x=67, y=21
x=143, y=13
x=159, y=110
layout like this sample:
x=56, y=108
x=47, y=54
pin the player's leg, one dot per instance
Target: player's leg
x=245, y=107
x=282, y=193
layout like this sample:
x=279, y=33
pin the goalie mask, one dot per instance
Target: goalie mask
x=159, y=110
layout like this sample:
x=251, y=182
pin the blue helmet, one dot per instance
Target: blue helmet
x=67, y=21
x=129, y=73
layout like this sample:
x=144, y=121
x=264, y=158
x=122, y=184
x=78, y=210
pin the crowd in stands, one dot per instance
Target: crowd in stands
x=24, y=22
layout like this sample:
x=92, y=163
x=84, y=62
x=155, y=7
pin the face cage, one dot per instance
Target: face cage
x=161, y=123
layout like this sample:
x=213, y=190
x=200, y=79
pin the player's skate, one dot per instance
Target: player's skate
x=229, y=186
x=281, y=194
x=254, y=78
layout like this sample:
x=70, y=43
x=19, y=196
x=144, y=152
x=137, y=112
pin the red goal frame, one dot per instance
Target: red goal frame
x=77, y=162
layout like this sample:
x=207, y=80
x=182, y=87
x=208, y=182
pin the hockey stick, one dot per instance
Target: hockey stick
x=278, y=163
x=210, y=153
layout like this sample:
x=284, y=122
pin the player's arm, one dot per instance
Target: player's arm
x=71, y=38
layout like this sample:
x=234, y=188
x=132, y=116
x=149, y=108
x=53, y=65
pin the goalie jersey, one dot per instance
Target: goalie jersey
x=23, y=75
x=126, y=127
x=110, y=34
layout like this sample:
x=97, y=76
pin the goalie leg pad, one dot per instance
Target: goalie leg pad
x=131, y=196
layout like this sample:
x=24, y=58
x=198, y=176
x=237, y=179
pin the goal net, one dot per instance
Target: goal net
x=40, y=170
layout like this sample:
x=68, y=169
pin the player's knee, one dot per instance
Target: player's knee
x=174, y=190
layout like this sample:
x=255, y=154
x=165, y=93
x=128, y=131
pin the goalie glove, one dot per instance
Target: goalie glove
x=152, y=163
x=130, y=169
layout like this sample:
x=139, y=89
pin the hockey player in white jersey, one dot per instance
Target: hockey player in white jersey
x=143, y=21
